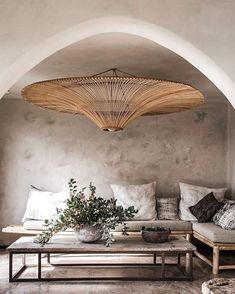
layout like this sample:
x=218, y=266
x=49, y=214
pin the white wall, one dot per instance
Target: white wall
x=32, y=27
x=46, y=148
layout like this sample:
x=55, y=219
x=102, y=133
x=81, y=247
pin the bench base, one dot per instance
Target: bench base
x=217, y=247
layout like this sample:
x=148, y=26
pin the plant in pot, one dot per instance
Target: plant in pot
x=91, y=217
x=155, y=234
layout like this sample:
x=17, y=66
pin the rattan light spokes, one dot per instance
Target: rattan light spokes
x=112, y=102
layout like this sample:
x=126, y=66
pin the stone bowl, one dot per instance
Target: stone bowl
x=156, y=236
x=88, y=234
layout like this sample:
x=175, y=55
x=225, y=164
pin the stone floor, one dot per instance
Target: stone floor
x=202, y=272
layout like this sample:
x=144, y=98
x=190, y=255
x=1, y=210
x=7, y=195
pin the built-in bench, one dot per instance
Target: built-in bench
x=218, y=239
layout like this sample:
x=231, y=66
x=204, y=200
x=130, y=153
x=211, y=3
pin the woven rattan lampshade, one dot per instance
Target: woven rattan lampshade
x=112, y=102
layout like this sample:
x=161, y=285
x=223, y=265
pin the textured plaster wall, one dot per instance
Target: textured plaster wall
x=46, y=148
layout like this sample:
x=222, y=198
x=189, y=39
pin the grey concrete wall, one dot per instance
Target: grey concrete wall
x=46, y=148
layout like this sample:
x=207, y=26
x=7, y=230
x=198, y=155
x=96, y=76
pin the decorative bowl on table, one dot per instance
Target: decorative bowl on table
x=155, y=235
x=88, y=233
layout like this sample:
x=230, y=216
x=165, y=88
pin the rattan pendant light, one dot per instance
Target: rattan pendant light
x=113, y=101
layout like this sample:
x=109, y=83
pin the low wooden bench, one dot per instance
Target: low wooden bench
x=216, y=247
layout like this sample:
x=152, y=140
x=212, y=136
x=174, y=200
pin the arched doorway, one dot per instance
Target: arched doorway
x=120, y=24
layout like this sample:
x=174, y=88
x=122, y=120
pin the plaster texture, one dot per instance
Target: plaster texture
x=46, y=148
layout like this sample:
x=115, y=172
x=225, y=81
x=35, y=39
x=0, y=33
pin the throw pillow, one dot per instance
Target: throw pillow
x=42, y=204
x=191, y=194
x=142, y=197
x=167, y=208
x=205, y=209
x=225, y=217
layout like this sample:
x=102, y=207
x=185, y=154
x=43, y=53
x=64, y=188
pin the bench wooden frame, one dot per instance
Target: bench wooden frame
x=217, y=247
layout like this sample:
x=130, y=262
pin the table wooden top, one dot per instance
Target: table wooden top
x=123, y=244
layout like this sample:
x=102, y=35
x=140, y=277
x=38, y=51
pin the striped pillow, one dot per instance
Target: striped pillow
x=167, y=208
x=225, y=217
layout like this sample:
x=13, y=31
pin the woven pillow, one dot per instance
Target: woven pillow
x=205, y=209
x=142, y=197
x=191, y=194
x=225, y=217
x=167, y=208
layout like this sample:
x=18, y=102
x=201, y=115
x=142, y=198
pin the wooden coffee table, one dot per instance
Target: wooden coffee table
x=134, y=245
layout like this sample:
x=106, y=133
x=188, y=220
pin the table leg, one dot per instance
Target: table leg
x=23, y=259
x=48, y=258
x=154, y=258
x=10, y=266
x=163, y=265
x=178, y=258
x=189, y=263
x=39, y=266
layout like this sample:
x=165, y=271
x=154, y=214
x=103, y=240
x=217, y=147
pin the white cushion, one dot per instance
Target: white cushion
x=42, y=204
x=191, y=194
x=37, y=225
x=142, y=197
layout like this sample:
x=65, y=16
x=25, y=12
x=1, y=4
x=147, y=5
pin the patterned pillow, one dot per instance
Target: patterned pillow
x=205, y=209
x=225, y=217
x=227, y=204
x=167, y=208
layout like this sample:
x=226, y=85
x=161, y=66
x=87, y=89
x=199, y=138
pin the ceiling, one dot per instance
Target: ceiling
x=129, y=53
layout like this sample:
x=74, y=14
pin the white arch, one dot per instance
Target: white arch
x=119, y=24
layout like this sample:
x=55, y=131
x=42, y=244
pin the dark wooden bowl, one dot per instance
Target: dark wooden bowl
x=155, y=236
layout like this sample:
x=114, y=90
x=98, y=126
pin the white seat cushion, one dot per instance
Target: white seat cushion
x=36, y=225
x=214, y=233
x=173, y=225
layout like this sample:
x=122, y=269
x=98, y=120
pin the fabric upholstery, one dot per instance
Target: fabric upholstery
x=167, y=208
x=214, y=233
x=226, y=217
x=142, y=197
x=227, y=204
x=191, y=194
x=174, y=225
x=135, y=226
x=34, y=225
x=43, y=204
x=205, y=209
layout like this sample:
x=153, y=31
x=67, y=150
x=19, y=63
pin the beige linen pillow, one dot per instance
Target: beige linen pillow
x=191, y=195
x=142, y=197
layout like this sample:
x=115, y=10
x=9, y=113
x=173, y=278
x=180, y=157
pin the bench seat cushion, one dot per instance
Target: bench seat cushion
x=34, y=225
x=134, y=226
x=214, y=233
x=173, y=225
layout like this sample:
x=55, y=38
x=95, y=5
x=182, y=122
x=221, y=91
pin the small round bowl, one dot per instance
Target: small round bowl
x=155, y=236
